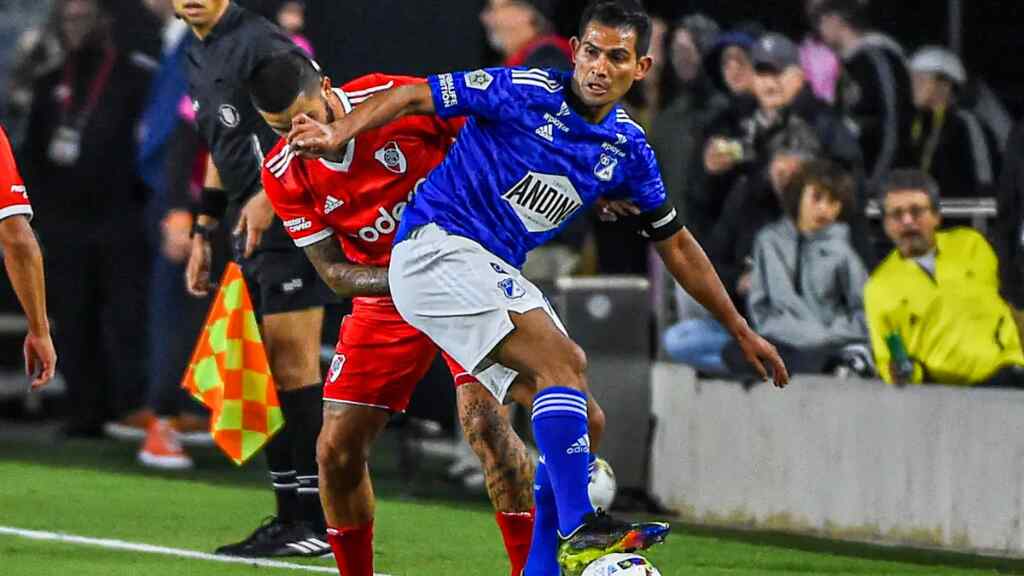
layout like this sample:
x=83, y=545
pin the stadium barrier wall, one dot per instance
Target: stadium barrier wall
x=850, y=459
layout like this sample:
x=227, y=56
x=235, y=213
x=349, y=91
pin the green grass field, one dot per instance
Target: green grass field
x=93, y=489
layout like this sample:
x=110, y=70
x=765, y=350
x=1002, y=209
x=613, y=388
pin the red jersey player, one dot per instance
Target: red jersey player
x=24, y=263
x=344, y=212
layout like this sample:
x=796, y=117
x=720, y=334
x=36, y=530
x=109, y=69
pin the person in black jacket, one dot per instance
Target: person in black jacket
x=949, y=141
x=1009, y=235
x=874, y=86
x=78, y=158
x=287, y=293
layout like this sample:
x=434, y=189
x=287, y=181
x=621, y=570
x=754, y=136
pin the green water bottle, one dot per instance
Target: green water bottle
x=900, y=365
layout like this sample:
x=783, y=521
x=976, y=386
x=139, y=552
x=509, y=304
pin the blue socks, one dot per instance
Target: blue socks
x=560, y=430
x=543, y=558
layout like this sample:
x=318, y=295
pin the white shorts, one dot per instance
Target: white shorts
x=460, y=295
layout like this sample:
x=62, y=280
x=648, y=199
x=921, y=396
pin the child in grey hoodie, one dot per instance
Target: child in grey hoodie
x=807, y=290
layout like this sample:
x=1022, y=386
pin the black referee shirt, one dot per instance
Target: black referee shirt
x=237, y=136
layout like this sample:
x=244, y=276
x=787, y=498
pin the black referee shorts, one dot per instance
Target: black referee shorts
x=283, y=281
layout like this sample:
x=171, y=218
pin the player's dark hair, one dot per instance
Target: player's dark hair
x=277, y=81
x=620, y=14
x=825, y=175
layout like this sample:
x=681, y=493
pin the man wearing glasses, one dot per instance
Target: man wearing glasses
x=933, y=305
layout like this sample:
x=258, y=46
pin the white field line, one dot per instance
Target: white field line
x=150, y=549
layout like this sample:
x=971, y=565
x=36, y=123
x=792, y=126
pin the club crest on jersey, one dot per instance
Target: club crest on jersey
x=543, y=201
x=337, y=363
x=392, y=158
x=605, y=168
x=229, y=115
x=511, y=289
x=564, y=110
x=620, y=139
x=479, y=79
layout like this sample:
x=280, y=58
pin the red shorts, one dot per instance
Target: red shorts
x=379, y=360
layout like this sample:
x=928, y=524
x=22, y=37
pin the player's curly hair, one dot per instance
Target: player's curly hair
x=620, y=14
x=278, y=80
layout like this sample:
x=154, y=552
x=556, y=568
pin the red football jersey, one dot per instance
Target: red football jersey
x=13, y=196
x=360, y=199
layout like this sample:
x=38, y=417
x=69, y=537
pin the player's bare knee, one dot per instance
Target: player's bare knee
x=340, y=450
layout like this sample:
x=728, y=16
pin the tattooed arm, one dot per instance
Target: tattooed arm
x=343, y=277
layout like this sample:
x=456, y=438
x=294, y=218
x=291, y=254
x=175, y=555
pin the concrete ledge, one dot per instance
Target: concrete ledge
x=853, y=459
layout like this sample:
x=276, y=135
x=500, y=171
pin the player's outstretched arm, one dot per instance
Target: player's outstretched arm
x=24, y=262
x=344, y=278
x=689, y=265
x=310, y=138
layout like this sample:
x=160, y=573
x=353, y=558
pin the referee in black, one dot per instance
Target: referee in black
x=286, y=291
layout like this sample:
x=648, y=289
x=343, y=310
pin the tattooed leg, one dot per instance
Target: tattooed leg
x=507, y=466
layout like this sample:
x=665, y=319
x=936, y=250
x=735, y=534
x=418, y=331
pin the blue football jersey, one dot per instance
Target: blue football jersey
x=525, y=163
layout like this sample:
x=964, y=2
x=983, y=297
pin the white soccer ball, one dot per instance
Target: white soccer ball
x=602, y=484
x=621, y=565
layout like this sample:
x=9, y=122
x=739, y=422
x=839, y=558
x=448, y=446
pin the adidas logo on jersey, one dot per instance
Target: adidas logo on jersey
x=543, y=201
x=564, y=110
x=546, y=132
x=580, y=446
x=332, y=204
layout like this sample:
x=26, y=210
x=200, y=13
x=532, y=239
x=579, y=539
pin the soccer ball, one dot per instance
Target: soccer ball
x=621, y=565
x=602, y=484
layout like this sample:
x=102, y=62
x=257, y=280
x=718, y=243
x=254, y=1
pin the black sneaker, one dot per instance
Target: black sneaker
x=275, y=539
x=602, y=534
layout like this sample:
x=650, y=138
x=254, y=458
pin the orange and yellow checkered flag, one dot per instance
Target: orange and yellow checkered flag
x=229, y=373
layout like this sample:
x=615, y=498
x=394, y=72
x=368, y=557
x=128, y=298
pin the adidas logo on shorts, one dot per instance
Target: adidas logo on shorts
x=580, y=446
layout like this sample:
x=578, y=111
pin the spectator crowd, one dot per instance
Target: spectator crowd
x=774, y=150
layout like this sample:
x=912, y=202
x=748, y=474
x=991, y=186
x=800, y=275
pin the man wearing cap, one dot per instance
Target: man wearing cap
x=948, y=140
x=785, y=99
x=935, y=299
x=874, y=86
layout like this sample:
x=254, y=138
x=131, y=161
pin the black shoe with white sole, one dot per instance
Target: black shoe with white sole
x=277, y=539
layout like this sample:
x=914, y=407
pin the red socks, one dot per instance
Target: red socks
x=353, y=549
x=517, y=531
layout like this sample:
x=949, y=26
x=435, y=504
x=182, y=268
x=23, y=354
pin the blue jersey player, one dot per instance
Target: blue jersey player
x=538, y=148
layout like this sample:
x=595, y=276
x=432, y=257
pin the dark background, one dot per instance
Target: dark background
x=354, y=37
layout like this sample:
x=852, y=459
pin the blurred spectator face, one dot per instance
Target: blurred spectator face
x=782, y=169
x=830, y=27
x=910, y=221
x=685, y=55
x=199, y=13
x=509, y=24
x=606, y=64
x=320, y=106
x=737, y=70
x=292, y=17
x=776, y=90
x=819, y=208
x=163, y=9
x=657, y=49
x=78, y=20
x=931, y=90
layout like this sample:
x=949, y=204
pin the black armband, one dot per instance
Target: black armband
x=213, y=202
x=658, y=224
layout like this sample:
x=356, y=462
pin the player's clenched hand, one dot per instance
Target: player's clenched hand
x=759, y=352
x=257, y=215
x=312, y=139
x=40, y=359
x=197, y=273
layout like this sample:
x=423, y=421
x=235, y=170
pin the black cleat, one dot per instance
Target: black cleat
x=601, y=534
x=276, y=539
